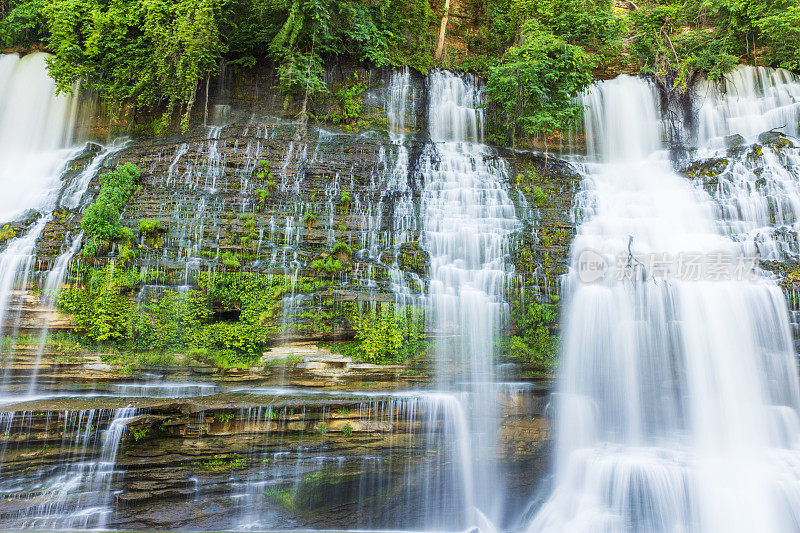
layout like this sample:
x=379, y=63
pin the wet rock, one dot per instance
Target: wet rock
x=770, y=136
x=707, y=171
x=733, y=141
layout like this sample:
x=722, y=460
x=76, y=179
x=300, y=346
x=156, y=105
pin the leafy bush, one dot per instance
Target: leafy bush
x=310, y=219
x=230, y=260
x=102, y=312
x=347, y=430
x=351, y=101
x=534, y=323
x=149, y=226
x=539, y=196
x=100, y=221
x=341, y=251
x=386, y=336
x=266, y=192
x=256, y=299
x=228, y=321
x=329, y=265
x=169, y=321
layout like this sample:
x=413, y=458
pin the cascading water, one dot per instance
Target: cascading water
x=68, y=491
x=36, y=151
x=422, y=471
x=467, y=220
x=678, y=402
x=752, y=167
x=35, y=128
x=399, y=101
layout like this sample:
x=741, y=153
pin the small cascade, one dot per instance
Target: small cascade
x=52, y=285
x=157, y=387
x=69, y=484
x=467, y=222
x=41, y=171
x=678, y=406
x=405, y=218
x=747, y=133
x=418, y=482
x=747, y=102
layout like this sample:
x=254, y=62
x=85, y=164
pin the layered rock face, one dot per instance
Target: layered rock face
x=269, y=456
x=261, y=194
x=304, y=436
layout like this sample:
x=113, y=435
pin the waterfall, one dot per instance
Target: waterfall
x=678, y=400
x=71, y=490
x=417, y=484
x=35, y=131
x=36, y=153
x=748, y=102
x=400, y=96
x=755, y=185
x=52, y=285
x=468, y=218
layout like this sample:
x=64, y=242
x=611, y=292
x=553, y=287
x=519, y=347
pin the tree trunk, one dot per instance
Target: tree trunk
x=442, y=31
x=205, y=110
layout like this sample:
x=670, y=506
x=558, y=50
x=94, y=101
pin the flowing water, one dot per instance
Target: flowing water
x=468, y=219
x=678, y=399
x=69, y=486
x=440, y=469
x=41, y=170
x=417, y=483
x=678, y=404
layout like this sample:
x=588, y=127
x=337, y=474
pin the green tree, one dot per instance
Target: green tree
x=536, y=82
x=150, y=53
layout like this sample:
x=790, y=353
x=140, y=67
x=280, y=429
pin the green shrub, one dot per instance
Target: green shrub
x=227, y=322
x=539, y=196
x=310, y=219
x=256, y=299
x=342, y=251
x=535, y=324
x=169, y=322
x=329, y=265
x=100, y=223
x=536, y=82
x=351, y=101
x=266, y=191
x=386, y=336
x=101, y=311
x=230, y=260
x=149, y=226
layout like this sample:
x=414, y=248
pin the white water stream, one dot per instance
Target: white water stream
x=36, y=152
x=678, y=399
x=468, y=218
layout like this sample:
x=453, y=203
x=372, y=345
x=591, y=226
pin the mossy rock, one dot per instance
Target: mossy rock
x=733, y=141
x=708, y=170
x=770, y=136
x=414, y=259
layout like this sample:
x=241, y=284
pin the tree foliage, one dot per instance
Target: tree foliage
x=146, y=53
x=550, y=48
x=676, y=40
x=536, y=82
x=153, y=54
